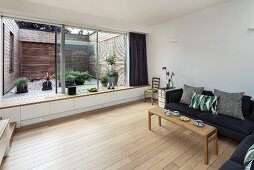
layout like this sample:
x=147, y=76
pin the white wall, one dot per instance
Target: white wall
x=214, y=48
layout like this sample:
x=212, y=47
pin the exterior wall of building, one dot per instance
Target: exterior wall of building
x=113, y=46
x=37, y=59
x=10, y=76
x=37, y=53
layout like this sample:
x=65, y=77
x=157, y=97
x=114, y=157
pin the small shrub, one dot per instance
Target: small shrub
x=70, y=78
x=93, y=89
x=22, y=82
x=104, y=79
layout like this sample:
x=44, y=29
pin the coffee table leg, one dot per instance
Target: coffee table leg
x=149, y=121
x=159, y=120
x=216, y=143
x=206, y=150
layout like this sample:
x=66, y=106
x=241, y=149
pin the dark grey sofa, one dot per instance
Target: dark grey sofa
x=236, y=160
x=239, y=130
x=227, y=126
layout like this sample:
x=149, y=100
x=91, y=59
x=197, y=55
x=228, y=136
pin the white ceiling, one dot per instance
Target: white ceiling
x=145, y=12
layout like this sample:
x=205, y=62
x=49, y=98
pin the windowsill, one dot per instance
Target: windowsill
x=16, y=103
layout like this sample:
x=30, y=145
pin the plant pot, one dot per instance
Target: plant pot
x=69, y=83
x=22, y=89
x=46, y=85
x=113, y=80
x=79, y=82
x=104, y=84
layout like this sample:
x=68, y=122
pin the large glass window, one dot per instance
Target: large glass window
x=42, y=59
x=112, y=46
x=80, y=59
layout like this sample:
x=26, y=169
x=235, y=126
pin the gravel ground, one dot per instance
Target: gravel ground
x=35, y=90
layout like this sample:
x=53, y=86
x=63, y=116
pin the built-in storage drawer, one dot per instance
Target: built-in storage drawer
x=35, y=110
x=12, y=113
x=61, y=106
x=119, y=95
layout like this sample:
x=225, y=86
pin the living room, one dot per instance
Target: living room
x=126, y=84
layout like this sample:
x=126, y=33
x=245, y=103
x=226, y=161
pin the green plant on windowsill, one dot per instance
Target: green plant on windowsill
x=69, y=80
x=22, y=85
x=104, y=80
x=93, y=89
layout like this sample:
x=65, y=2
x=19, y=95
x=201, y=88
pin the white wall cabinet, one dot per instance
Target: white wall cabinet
x=34, y=113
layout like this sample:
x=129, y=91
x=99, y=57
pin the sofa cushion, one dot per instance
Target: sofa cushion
x=241, y=126
x=249, y=157
x=187, y=93
x=231, y=165
x=246, y=105
x=230, y=104
x=241, y=150
x=196, y=100
x=184, y=109
x=209, y=104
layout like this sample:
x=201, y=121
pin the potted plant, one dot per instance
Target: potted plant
x=78, y=78
x=47, y=85
x=69, y=80
x=104, y=80
x=112, y=73
x=83, y=76
x=22, y=85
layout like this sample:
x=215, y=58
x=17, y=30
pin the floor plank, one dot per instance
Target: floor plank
x=115, y=138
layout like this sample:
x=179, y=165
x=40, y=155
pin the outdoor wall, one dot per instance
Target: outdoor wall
x=10, y=77
x=213, y=48
x=113, y=46
x=77, y=52
x=37, y=53
x=37, y=59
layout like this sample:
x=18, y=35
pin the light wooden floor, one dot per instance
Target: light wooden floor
x=113, y=139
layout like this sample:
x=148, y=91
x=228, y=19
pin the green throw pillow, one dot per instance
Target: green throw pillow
x=209, y=104
x=196, y=100
x=249, y=157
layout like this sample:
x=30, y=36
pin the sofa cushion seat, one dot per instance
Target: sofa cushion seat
x=241, y=126
x=240, y=152
x=184, y=109
x=231, y=165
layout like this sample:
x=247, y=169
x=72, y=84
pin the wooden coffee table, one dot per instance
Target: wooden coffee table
x=207, y=132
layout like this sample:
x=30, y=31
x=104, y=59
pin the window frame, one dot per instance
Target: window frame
x=11, y=53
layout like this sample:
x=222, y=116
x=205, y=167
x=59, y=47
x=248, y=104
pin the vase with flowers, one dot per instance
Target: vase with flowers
x=169, y=76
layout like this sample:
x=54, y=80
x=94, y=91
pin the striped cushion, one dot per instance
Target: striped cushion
x=196, y=100
x=209, y=103
x=249, y=157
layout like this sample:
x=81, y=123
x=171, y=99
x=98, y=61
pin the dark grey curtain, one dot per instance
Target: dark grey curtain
x=138, y=60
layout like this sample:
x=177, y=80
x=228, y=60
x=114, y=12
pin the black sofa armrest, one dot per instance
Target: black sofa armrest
x=174, y=96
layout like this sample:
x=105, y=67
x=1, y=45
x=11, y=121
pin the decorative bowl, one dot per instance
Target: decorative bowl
x=184, y=118
x=176, y=113
x=199, y=123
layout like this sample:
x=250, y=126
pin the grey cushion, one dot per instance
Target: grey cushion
x=187, y=93
x=230, y=104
